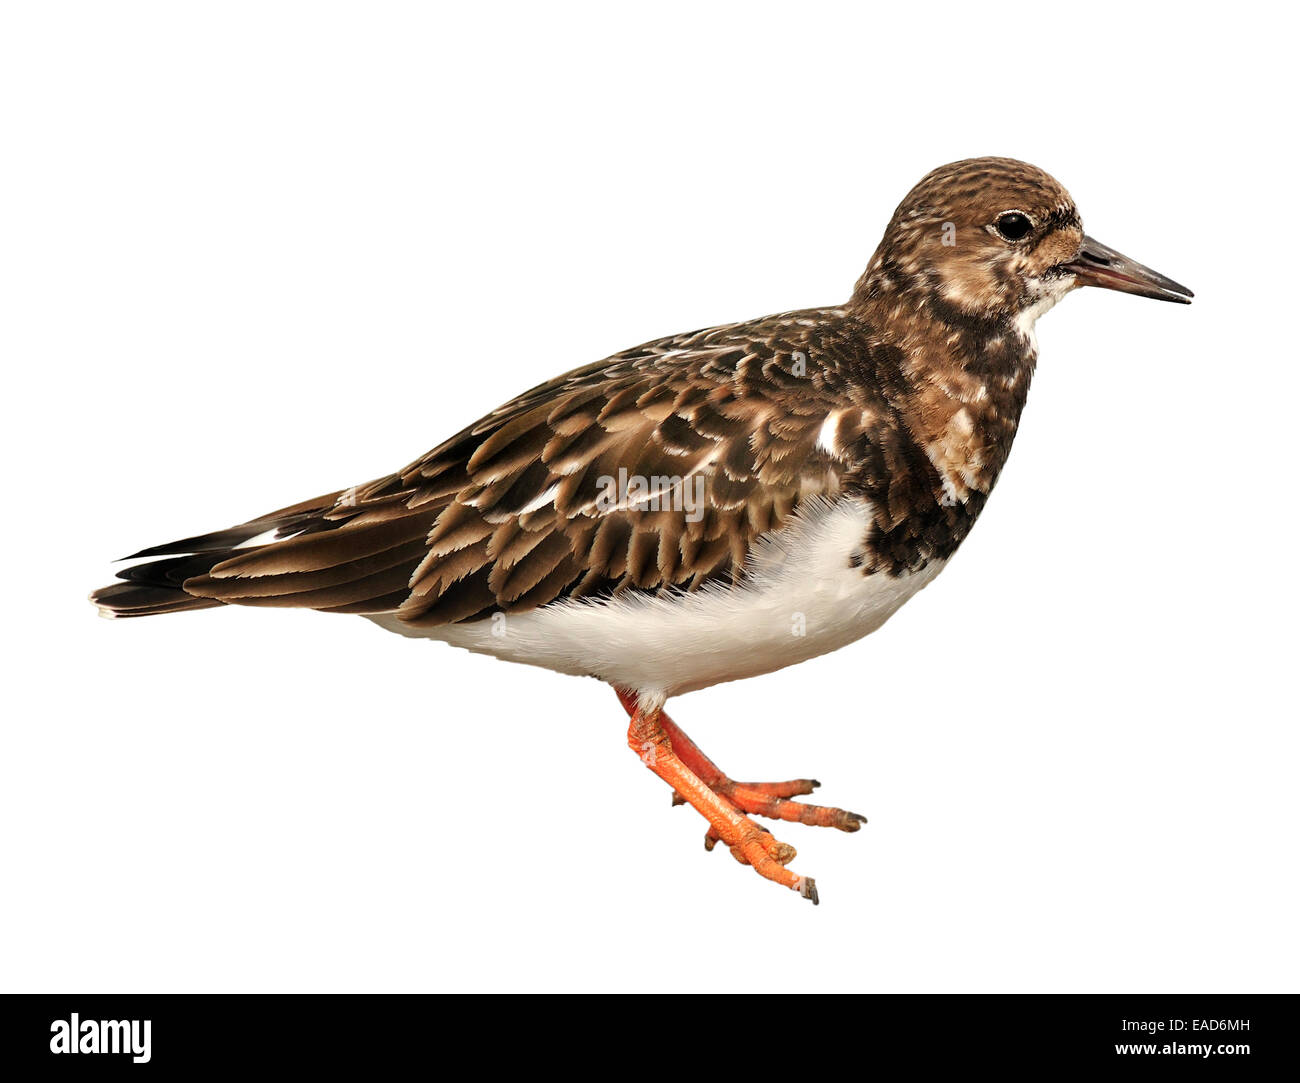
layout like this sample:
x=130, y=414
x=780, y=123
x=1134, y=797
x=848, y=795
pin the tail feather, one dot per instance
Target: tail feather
x=173, y=571
x=291, y=520
x=351, y=557
x=145, y=600
x=157, y=587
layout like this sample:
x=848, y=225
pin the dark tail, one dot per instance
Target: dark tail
x=157, y=586
x=139, y=600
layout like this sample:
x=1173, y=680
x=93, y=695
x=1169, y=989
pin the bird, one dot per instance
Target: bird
x=704, y=507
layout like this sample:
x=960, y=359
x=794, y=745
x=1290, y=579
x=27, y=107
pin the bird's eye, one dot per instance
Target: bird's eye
x=1013, y=225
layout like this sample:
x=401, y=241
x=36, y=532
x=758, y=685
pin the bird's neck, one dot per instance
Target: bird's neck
x=962, y=378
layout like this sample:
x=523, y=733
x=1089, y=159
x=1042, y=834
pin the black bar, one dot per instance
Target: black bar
x=365, y=1034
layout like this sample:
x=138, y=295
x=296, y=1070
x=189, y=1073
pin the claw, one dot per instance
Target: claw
x=853, y=822
x=807, y=888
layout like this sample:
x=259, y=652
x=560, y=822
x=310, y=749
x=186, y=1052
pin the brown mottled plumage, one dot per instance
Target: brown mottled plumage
x=893, y=413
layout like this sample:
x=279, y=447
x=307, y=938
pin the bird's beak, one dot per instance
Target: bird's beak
x=1097, y=265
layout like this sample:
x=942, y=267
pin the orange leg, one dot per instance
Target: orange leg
x=768, y=799
x=749, y=843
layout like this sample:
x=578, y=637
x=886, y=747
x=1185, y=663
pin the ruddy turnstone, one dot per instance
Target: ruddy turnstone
x=707, y=506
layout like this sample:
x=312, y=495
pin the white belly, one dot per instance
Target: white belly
x=800, y=599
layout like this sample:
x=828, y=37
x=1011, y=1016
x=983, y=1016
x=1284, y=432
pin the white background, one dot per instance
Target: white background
x=256, y=252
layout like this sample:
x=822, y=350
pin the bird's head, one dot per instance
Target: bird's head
x=992, y=240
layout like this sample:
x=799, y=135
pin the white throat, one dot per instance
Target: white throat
x=1047, y=293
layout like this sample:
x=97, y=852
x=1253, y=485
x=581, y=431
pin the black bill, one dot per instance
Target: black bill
x=1098, y=265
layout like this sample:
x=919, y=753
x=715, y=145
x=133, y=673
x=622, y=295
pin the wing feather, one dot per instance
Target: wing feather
x=655, y=469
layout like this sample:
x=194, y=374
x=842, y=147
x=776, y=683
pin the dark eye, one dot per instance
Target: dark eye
x=1013, y=225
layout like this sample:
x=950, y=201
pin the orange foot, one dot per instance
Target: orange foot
x=699, y=782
